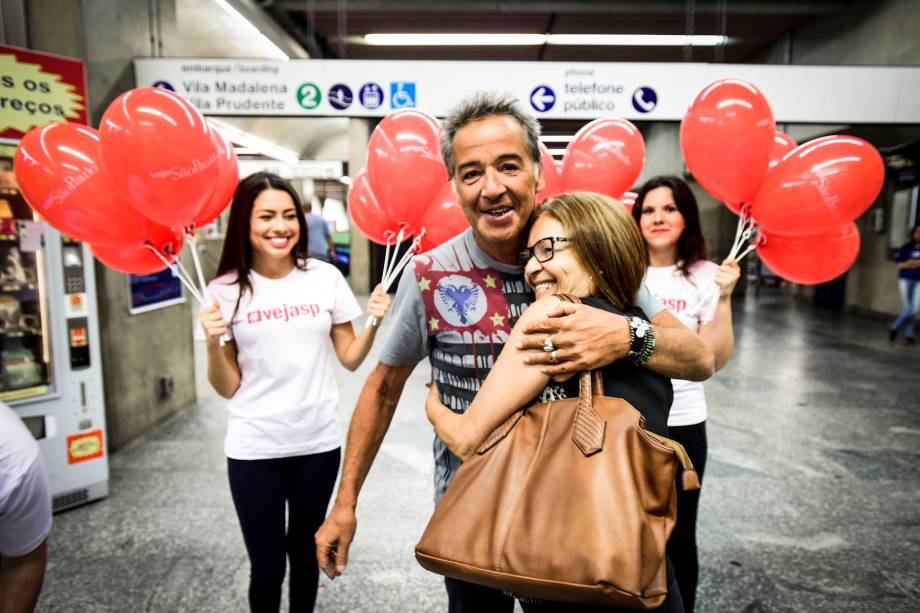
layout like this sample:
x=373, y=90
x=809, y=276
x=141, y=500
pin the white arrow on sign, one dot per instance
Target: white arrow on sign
x=542, y=98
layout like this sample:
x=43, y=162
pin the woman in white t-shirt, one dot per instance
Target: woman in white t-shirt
x=684, y=281
x=283, y=319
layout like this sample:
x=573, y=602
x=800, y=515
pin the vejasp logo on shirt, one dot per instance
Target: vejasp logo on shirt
x=283, y=313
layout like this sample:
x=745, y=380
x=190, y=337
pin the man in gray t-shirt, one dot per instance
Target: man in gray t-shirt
x=459, y=303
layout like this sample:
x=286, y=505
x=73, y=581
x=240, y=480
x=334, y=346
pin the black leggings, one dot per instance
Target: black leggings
x=260, y=489
x=682, y=544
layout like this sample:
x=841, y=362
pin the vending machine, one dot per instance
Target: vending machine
x=50, y=364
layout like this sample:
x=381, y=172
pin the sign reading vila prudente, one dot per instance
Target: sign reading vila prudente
x=38, y=88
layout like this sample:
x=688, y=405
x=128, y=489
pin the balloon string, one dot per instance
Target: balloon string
x=390, y=277
x=745, y=229
x=738, y=229
x=745, y=252
x=397, y=268
x=193, y=243
x=177, y=272
x=386, y=254
x=400, y=236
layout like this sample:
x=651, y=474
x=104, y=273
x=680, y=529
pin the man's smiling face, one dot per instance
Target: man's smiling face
x=497, y=183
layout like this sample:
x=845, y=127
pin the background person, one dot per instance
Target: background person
x=908, y=260
x=287, y=317
x=25, y=515
x=682, y=279
x=319, y=241
x=459, y=303
x=570, y=253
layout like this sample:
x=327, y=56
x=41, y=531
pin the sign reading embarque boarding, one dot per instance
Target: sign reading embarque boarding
x=561, y=90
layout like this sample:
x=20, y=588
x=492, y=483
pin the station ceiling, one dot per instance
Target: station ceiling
x=335, y=28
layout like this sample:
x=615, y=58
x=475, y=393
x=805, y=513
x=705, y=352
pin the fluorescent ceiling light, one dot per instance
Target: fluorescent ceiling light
x=253, y=142
x=603, y=40
x=436, y=40
x=266, y=42
x=635, y=40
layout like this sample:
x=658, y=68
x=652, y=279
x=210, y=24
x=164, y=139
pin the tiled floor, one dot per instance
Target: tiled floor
x=811, y=501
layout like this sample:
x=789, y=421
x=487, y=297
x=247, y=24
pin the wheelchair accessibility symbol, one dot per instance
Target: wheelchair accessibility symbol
x=402, y=94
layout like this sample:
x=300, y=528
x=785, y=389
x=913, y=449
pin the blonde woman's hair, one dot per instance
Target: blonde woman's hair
x=606, y=240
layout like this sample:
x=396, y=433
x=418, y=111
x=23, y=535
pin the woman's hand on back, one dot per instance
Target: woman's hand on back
x=213, y=323
x=727, y=277
x=379, y=303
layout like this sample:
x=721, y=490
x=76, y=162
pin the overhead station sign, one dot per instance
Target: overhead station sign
x=558, y=90
x=38, y=88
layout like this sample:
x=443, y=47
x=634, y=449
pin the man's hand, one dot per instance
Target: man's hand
x=333, y=540
x=584, y=337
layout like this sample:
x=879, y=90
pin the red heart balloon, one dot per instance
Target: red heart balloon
x=606, y=156
x=726, y=138
x=552, y=179
x=227, y=179
x=58, y=171
x=137, y=258
x=367, y=214
x=443, y=220
x=404, y=165
x=782, y=144
x=810, y=259
x=819, y=185
x=157, y=148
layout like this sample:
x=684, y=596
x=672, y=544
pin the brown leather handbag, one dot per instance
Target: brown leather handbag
x=570, y=500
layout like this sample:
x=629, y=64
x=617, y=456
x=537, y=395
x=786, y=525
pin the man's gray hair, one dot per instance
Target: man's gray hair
x=481, y=106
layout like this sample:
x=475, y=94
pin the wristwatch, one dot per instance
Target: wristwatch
x=642, y=340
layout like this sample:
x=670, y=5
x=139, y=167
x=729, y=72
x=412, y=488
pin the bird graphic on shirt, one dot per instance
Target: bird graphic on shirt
x=461, y=298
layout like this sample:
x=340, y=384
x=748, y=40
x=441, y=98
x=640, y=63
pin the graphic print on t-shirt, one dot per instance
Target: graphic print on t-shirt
x=470, y=302
x=675, y=305
x=458, y=301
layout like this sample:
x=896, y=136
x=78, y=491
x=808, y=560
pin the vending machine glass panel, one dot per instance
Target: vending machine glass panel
x=25, y=351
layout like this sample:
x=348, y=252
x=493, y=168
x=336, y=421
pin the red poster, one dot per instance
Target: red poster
x=84, y=446
x=39, y=88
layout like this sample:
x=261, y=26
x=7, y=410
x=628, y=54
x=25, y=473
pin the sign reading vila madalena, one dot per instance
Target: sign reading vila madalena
x=38, y=88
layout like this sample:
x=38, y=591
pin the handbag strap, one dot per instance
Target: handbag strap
x=590, y=427
x=588, y=433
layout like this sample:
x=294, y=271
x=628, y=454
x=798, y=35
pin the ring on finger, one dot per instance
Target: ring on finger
x=548, y=345
x=553, y=357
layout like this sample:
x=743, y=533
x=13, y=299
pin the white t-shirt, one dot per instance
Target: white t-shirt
x=25, y=499
x=693, y=301
x=286, y=402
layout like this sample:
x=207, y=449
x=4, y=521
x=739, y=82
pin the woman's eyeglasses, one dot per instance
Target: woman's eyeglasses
x=543, y=249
